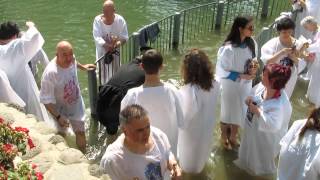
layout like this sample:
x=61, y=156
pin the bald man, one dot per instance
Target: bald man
x=60, y=92
x=109, y=33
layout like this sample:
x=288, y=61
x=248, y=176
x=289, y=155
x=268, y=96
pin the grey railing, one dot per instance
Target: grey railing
x=181, y=28
x=184, y=26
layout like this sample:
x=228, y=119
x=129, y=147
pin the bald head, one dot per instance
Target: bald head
x=64, y=54
x=63, y=46
x=108, y=9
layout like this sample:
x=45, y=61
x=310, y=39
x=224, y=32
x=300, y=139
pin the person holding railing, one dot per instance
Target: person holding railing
x=238, y=49
x=109, y=33
x=267, y=120
x=286, y=50
x=299, y=157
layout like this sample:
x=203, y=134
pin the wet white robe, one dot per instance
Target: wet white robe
x=313, y=92
x=299, y=159
x=272, y=47
x=233, y=93
x=7, y=94
x=14, y=58
x=163, y=106
x=199, y=110
x=260, y=139
x=102, y=34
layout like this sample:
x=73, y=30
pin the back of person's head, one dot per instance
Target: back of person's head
x=308, y=20
x=313, y=122
x=234, y=35
x=152, y=61
x=8, y=30
x=197, y=69
x=131, y=113
x=278, y=75
x=285, y=24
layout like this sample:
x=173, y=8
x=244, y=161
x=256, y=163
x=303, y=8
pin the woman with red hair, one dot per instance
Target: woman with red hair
x=268, y=116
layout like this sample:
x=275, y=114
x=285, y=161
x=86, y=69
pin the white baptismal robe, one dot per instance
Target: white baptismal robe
x=233, y=93
x=102, y=34
x=313, y=92
x=163, y=106
x=14, y=58
x=7, y=94
x=260, y=139
x=299, y=159
x=269, y=49
x=195, y=139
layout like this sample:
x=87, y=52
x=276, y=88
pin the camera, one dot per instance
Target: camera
x=108, y=57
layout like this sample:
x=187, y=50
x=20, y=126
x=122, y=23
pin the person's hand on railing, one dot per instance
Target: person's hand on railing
x=89, y=67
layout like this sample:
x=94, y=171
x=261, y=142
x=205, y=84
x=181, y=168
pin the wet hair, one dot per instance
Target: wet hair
x=278, y=75
x=313, y=122
x=130, y=113
x=8, y=30
x=285, y=24
x=152, y=61
x=234, y=35
x=197, y=69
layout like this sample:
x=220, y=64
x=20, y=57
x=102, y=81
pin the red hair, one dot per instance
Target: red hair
x=278, y=75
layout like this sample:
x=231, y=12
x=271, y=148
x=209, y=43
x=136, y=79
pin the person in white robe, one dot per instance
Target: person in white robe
x=300, y=7
x=285, y=49
x=299, y=157
x=199, y=98
x=311, y=25
x=109, y=33
x=161, y=100
x=141, y=152
x=7, y=94
x=267, y=120
x=15, y=53
x=238, y=49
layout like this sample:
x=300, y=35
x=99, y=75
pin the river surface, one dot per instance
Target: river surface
x=72, y=20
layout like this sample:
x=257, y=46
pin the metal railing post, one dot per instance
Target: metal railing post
x=176, y=30
x=219, y=15
x=93, y=92
x=265, y=8
x=136, y=44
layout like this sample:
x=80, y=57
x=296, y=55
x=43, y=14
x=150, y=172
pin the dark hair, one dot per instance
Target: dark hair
x=234, y=35
x=285, y=24
x=8, y=30
x=278, y=75
x=313, y=122
x=151, y=61
x=132, y=112
x=197, y=69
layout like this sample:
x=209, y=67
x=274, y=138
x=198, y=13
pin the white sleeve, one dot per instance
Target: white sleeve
x=124, y=30
x=189, y=104
x=110, y=167
x=7, y=94
x=267, y=51
x=127, y=100
x=31, y=42
x=270, y=120
x=177, y=104
x=224, y=62
x=47, y=90
x=294, y=130
x=97, y=35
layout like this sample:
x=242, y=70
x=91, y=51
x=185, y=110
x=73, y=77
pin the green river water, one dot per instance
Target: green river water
x=72, y=20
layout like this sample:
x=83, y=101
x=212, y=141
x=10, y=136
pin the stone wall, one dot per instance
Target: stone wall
x=54, y=158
